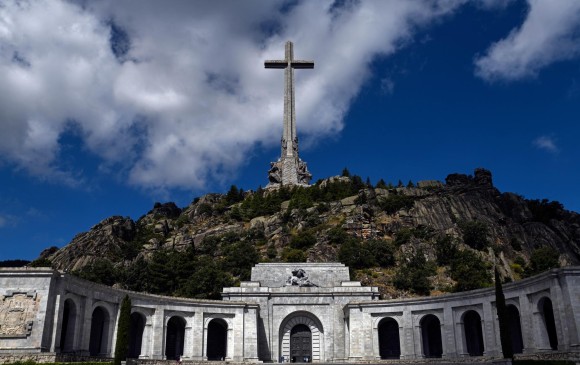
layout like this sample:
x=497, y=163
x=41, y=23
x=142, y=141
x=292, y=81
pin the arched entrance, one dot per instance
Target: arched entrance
x=515, y=327
x=473, y=333
x=547, y=313
x=67, y=333
x=217, y=339
x=136, y=335
x=175, y=338
x=304, y=327
x=99, y=340
x=431, y=336
x=389, y=343
x=300, y=344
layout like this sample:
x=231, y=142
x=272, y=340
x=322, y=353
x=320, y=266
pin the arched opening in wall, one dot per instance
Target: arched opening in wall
x=289, y=325
x=175, y=338
x=431, y=336
x=389, y=343
x=136, y=335
x=300, y=344
x=515, y=329
x=473, y=333
x=99, y=340
x=547, y=312
x=67, y=332
x=217, y=339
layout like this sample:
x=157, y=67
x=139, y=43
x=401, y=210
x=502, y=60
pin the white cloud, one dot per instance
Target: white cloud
x=546, y=143
x=2, y=221
x=550, y=33
x=191, y=97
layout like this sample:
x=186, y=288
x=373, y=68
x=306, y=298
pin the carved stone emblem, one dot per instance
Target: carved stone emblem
x=299, y=278
x=17, y=312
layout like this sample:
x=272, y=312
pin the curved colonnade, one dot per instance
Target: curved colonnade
x=255, y=322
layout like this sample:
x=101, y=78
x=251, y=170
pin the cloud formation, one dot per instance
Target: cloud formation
x=546, y=143
x=550, y=33
x=175, y=94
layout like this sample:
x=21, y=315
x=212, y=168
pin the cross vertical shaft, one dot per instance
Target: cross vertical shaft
x=289, y=169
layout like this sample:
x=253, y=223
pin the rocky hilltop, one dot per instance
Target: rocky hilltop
x=418, y=239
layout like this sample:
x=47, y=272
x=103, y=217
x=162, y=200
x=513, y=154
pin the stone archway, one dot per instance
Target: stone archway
x=136, y=329
x=515, y=329
x=175, y=338
x=431, y=336
x=547, y=314
x=99, y=340
x=473, y=333
x=67, y=334
x=389, y=341
x=217, y=339
x=292, y=324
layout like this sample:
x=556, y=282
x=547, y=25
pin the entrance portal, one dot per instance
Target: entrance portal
x=300, y=344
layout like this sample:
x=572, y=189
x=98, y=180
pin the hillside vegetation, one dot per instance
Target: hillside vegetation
x=408, y=240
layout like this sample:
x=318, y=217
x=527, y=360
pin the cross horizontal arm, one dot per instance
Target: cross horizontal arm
x=284, y=64
x=302, y=64
x=276, y=64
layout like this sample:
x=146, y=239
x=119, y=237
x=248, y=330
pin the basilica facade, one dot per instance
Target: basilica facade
x=303, y=312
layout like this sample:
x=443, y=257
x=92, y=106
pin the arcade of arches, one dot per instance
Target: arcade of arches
x=318, y=317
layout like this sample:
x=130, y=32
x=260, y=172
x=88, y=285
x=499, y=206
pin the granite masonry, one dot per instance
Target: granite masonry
x=292, y=312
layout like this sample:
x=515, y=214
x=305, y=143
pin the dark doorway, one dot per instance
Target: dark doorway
x=99, y=332
x=473, y=333
x=547, y=311
x=431, y=336
x=300, y=344
x=389, y=343
x=67, y=333
x=175, y=338
x=515, y=329
x=136, y=335
x=217, y=339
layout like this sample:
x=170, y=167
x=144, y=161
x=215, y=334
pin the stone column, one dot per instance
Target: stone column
x=158, y=338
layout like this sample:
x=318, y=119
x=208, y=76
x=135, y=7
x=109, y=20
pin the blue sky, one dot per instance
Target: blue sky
x=107, y=107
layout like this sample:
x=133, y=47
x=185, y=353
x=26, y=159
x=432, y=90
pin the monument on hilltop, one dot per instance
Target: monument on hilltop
x=289, y=169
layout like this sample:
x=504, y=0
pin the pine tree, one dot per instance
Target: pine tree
x=504, y=330
x=122, y=345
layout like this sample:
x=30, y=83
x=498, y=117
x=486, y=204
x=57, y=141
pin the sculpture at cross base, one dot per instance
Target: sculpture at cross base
x=289, y=169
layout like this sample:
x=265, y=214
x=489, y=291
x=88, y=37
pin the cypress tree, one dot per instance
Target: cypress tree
x=122, y=345
x=504, y=330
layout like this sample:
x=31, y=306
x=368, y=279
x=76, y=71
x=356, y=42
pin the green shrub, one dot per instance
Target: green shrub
x=469, y=271
x=293, y=255
x=475, y=234
x=395, y=202
x=303, y=240
x=355, y=255
x=383, y=252
x=403, y=236
x=446, y=250
x=544, y=210
x=413, y=275
x=542, y=259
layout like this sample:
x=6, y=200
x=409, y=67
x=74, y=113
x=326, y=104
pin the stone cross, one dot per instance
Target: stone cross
x=289, y=169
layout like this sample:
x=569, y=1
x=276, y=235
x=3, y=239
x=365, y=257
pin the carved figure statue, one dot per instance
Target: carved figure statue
x=299, y=278
x=274, y=175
